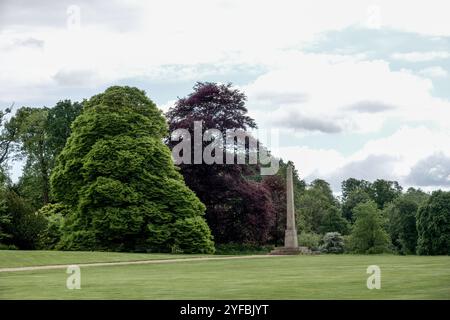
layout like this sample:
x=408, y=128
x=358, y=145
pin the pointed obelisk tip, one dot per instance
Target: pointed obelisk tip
x=290, y=235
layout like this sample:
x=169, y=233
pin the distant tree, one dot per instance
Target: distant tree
x=7, y=137
x=317, y=206
x=353, y=197
x=30, y=125
x=351, y=185
x=384, y=192
x=59, y=120
x=121, y=185
x=333, y=221
x=40, y=135
x=433, y=225
x=401, y=214
x=368, y=235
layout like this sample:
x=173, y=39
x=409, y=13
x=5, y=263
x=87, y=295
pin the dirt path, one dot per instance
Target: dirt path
x=125, y=263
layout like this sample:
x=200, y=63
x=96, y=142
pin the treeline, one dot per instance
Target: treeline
x=97, y=176
x=375, y=217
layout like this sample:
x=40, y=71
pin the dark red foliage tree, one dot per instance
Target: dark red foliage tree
x=238, y=208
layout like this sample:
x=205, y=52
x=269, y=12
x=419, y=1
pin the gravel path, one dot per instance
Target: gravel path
x=125, y=263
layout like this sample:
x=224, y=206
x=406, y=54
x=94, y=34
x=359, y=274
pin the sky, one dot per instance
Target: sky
x=355, y=88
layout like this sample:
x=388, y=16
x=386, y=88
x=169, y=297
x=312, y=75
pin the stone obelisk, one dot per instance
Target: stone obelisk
x=290, y=234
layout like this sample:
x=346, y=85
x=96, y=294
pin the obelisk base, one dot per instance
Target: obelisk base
x=284, y=251
x=290, y=239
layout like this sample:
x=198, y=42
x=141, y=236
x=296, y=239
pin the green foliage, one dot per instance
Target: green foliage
x=8, y=247
x=332, y=242
x=317, y=206
x=192, y=235
x=333, y=221
x=355, y=192
x=368, y=235
x=59, y=120
x=433, y=225
x=20, y=226
x=79, y=240
x=241, y=249
x=5, y=217
x=383, y=192
x=353, y=199
x=310, y=240
x=120, y=182
x=31, y=138
x=401, y=214
x=54, y=214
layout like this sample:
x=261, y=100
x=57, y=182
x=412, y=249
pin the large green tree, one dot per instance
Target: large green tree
x=319, y=210
x=401, y=214
x=433, y=225
x=120, y=182
x=368, y=235
x=32, y=144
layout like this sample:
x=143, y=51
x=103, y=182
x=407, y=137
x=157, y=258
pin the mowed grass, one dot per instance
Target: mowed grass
x=22, y=258
x=294, y=277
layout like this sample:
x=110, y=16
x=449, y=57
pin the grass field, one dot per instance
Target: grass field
x=294, y=277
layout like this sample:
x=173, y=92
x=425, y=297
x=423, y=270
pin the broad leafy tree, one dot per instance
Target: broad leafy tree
x=433, y=225
x=351, y=201
x=238, y=206
x=368, y=234
x=319, y=210
x=384, y=192
x=33, y=145
x=118, y=178
x=401, y=214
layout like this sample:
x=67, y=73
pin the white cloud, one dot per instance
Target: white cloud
x=421, y=56
x=341, y=94
x=306, y=92
x=401, y=156
x=313, y=162
x=434, y=72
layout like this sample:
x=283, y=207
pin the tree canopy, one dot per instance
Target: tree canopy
x=120, y=181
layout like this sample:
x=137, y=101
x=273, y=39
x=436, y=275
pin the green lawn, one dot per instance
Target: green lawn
x=295, y=277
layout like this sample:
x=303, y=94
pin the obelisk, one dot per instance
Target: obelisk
x=290, y=235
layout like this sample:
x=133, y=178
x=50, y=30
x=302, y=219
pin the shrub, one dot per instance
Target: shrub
x=242, y=248
x=54, y=215
x=78, y=241
x=192, y=235
x=8, y=247
x=310, y=240
x=332, y=242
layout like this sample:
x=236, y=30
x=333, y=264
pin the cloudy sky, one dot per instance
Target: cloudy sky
x=356, y=88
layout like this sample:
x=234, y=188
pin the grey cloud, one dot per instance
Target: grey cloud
x=301, y=122
x=370, y=107
x=371, y=168
x=74, y=77
x=431, y=171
